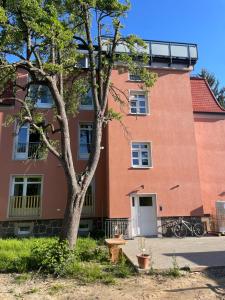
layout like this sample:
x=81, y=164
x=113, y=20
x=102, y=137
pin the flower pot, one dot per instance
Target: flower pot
x=143, y=261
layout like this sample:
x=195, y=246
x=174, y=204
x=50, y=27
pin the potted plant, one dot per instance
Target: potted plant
x=143, y=258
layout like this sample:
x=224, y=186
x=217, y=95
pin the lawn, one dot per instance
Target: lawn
x=88, y=262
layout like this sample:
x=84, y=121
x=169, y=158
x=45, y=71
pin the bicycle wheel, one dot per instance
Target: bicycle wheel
x=180, y=231
x=198, y=229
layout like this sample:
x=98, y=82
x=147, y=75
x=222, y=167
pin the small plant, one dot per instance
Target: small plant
x=152, y=271
x=32, y=291
x=21, y=278
x=122, y=269
x=141, y=245
x=175, y=270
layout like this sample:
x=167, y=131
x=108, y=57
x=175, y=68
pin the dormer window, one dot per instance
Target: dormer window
x=41, y=95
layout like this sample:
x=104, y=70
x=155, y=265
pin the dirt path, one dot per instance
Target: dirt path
x=191, y=286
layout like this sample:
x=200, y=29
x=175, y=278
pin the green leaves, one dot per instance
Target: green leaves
x=113, y=115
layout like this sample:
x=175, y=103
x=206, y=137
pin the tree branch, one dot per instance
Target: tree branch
x=111, y=62
x=91, y=58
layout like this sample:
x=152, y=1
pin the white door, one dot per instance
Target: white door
x=143, y=215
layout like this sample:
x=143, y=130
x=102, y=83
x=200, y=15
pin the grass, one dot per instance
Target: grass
x=87, y=263
x=54, y=289
x=21, y=278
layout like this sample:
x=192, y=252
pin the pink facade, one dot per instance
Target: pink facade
x=163, y=161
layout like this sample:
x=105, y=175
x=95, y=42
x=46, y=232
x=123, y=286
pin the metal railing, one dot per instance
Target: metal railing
x=29, y=150
x=160, y=51
x=121, y=226
x=25, y=206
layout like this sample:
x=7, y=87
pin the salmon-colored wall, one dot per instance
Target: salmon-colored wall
x=174, y=177
x=210, y=138
x=54, y=184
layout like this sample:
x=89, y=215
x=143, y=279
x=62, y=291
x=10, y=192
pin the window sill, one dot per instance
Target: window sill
x=138, y=114
x=138, y=81
x=140, y=168
x=42, y=106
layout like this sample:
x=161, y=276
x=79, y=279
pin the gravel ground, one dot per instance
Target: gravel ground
x=189, y=286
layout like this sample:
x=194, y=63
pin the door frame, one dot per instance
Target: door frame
x=154, y=200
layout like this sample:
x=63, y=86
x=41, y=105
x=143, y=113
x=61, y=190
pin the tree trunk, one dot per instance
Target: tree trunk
x=71, y=219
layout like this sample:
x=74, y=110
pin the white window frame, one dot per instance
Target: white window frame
x=21, y=155
x=132, y=94
x=38, y=103
x=139, y=150
x=83, y=156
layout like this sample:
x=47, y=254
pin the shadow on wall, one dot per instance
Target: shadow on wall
x=198, y=211
x=208, y=120
x=222, y=194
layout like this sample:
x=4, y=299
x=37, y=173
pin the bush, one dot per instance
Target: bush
x=50, y=255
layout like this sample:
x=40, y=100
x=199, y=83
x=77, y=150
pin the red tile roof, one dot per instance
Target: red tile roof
x=203, y=99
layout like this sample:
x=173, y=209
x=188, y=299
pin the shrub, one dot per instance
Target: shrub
x=50, y=255
x=85, y=249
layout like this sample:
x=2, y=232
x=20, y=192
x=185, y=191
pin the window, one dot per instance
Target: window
x=134, y=77
x=24, y=229
x=26, y=186
x=82, y=62
x=25, y=199
x=28, y=144
x=141, y=155
x=41, y=95
x=138, y=102
x=89, y=203
x=85, y=140
x=87, y=101
x=145, y=201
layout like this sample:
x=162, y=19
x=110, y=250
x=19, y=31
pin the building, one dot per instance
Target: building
x=164, y=162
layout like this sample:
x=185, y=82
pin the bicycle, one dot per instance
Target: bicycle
x=182, y=227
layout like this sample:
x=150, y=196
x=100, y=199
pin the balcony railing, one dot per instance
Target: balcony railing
x=160, y=51
x=29, y=150
x=24, y=206
x=88, y=208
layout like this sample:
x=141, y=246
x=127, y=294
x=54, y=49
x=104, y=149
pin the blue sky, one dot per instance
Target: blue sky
x=195, y=21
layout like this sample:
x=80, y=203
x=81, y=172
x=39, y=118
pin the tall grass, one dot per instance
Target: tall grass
x=88, y=262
